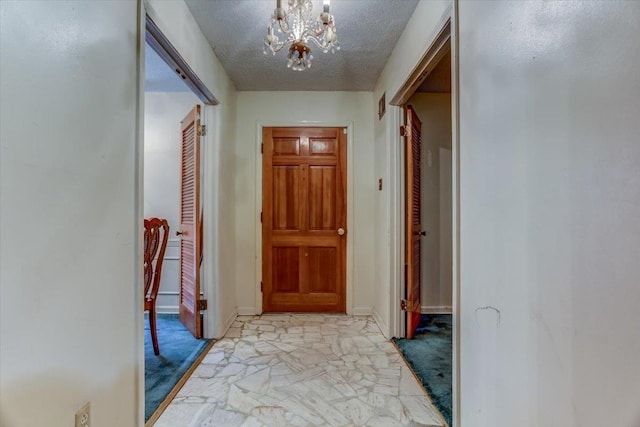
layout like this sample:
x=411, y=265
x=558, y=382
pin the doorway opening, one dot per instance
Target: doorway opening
x=175, y=126
x=428, y=182
x=428, y=212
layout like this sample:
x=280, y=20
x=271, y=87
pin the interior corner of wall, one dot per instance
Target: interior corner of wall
x=382, y=324
x=226, y=324
x=246, y=311
x=362, y=311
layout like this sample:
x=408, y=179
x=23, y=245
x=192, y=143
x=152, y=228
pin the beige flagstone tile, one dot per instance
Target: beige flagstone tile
x=419, y=412
x=183, y=414
x=301, y=370
x=257, y=382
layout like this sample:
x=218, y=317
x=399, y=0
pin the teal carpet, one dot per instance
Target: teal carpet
x=430, y=356
x=178, y=351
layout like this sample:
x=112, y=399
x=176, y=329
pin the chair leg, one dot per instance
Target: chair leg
x=152, y=327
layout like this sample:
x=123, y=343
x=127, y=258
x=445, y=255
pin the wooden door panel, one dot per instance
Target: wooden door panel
x=413, y=147
x=286, y=269
x=322, y=147
x=290, y=238
x=304, y=204
x=323, y=271
x=322, y=197
x=190, y=239
x=318, y=302
x=286, y=214
x=286, y=147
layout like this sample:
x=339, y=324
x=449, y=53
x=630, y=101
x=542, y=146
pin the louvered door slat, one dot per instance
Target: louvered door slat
x=190, y=239
x=413, y=147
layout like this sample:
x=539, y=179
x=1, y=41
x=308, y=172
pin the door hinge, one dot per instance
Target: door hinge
x=202, y=130
x=202, y=304
x=261, y=148
x=406, y=305
x=403, y=131
x=403, y=303
x=344, y=130
x=261, y=286
x=260, y=217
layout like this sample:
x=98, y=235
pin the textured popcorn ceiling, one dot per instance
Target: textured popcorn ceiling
x=367, y=30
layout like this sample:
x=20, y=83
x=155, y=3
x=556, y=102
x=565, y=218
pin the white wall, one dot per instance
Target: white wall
x=178, y=25
x=413, y=42
x=550, y=209
x=70, y=322
x=284, y=108
x=434, y=111
x=163, y=112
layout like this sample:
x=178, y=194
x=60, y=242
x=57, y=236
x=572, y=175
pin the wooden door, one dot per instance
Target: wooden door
x=413, y=146
x=190, y=237
x=304, y=219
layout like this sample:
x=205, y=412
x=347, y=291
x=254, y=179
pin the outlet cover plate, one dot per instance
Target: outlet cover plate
x=83, y=416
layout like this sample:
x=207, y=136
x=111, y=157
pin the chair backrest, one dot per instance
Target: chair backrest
x=156, y=235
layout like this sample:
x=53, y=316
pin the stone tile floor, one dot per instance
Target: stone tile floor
x=302, y=370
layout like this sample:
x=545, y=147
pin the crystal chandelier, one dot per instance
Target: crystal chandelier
x=299, y=28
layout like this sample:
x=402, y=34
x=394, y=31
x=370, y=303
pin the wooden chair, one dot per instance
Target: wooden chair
x=156, y=234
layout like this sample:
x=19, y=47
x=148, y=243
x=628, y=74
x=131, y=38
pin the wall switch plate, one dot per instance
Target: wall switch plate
x=83, y=416
x=380, y=184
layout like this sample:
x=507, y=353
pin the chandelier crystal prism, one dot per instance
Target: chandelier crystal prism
x=299, y=29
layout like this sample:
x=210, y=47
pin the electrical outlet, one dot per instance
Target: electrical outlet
x=83, y=416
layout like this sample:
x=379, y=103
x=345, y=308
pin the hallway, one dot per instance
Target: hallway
x=301, y=369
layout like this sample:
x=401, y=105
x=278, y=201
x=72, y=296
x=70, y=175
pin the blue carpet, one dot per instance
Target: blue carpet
x=178, y=351
x=430, y=356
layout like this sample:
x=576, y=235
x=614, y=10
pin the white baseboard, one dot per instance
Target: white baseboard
x=362, y=311
x=384, y=327
x=436, y=309
x=224, y=327
x=167, y=309
x=246, y=311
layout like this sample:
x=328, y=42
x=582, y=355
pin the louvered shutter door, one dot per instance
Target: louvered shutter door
x=189, y=223
x=413, y=145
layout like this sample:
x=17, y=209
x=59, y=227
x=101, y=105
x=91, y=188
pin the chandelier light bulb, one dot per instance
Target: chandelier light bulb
x=300, y=30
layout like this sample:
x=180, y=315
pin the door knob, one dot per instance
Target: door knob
x=180, y=233
x=341, y=231
x=420, y=233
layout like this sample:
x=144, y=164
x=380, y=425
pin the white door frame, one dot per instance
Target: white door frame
x=396, y=214
x=210, y=288
x=396, y=222
x=350, y=197
x=139, y=217
x=442, y=36
x=211, y=323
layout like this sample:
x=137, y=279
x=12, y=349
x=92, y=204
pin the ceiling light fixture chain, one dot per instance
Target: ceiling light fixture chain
x=299, y=28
